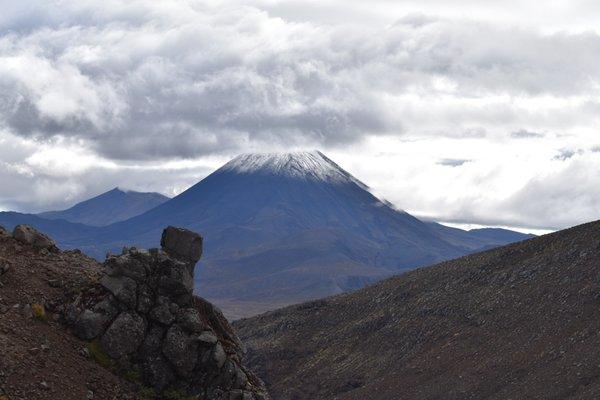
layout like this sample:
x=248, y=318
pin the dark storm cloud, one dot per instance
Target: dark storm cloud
x=142, y=80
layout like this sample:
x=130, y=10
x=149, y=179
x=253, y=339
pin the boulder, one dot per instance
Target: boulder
x=152, y=344
x=29, y=235
x=181, y=350
x=176, y=278
x=90, y=324
x=189, y=320
x=145, y=299
x=219, y=355
x=3, y=231
x=162, y=312
x=125, y=265
x=207, y=338
x=182, y=244
x=157, y=371
x=123, y=288
x=124, y=335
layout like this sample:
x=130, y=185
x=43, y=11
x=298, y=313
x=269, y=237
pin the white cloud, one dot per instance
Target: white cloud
x=460, y=110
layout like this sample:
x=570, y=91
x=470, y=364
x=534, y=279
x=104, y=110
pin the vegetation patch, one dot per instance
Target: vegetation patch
x=39, y=312
x=176, y=394
x=100, y=356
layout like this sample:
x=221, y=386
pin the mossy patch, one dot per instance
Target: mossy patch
x=146, y=393
x=130, y=374
x=176, y=394
x=100, y=356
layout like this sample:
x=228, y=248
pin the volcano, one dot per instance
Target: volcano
x=284, y=228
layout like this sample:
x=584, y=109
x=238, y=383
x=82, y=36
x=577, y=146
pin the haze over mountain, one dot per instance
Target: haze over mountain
x=110, y=207
x=517, y=322
x=281, y=229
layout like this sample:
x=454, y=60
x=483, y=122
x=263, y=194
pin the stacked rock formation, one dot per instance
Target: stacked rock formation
x=143, y=314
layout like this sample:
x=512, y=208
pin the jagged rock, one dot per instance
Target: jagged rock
x=207, y=338
x=125, y=265
x=152, y=342
x=123, y=288
x=108, y=307
x=218, y=322
x=182, y=244
x=146, y=316
x=176, y=278
x=189, y=320
x=219, y=355
x=3, y=231
x=90, y=324
x=29, y=235
x=124, y=335
x=157, y=372
x=162, y=312
x=240, y=395
x=181, y=350
x=145, y=299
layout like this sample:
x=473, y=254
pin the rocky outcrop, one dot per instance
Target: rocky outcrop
x=142, y=313
x=182, y=244
x=29, y=235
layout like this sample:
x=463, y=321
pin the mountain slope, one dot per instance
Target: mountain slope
x=519, y=322
x=285, y=228
x=64, y=336
x=110, y=207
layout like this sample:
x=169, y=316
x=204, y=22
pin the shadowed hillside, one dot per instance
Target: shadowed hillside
x=520, y=322
x=110, y=207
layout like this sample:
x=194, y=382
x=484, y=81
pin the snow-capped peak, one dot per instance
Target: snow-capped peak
x=312, y=165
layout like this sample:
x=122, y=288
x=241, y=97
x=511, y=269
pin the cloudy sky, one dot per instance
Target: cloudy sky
x=464, y=111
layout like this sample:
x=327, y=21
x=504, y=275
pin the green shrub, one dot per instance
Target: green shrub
x=100, y=356
x=39, y=312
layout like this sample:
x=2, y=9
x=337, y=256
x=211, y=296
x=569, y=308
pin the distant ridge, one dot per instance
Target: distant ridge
x=109, y=207
x=282, y=228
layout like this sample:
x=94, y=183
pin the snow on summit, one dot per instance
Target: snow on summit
x=312, y=165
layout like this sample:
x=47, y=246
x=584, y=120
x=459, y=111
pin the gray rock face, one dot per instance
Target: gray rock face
x=156, y=369
x=125, y=266
x=181, y=350
x=124, y=335
x=182, y=244
x=219, y=355
x=90, y=324
x=189, y=320
x=176, y=279
x=29, y=235
x=145, y=314
x=162, y=312
x=123, y=288
x=207, y=338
